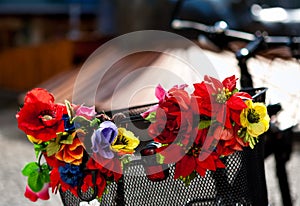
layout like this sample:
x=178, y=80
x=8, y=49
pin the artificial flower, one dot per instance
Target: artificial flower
x=84, y=111
x=160, y=94
x=102, y=139
x=70, y=174
x=192, y=162
x=71, y=153
x=125, y=142
x=110, y=168
x=228, y=140
x=255, y=118
x=40, y=117
x=94, y=202
x=34, y=140
x=94, y=178
x=34, y=196
x=173, y=116
x=220, y=100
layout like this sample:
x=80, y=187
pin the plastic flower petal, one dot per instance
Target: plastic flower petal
x=161, y=94
x=71, y=153
x=84, y=203
x=40, y=117
x=126, y=141
x=34, y=196
x=34, y=140
x=70, y=174
x=102, y=139
x=94, y=202
x=220, y=100
x=255, y=118
x=87, y=112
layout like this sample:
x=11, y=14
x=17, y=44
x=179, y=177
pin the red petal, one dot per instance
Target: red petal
x=212, y=84
x=230, y=82
x=172, y=153
x=236, y=103
x=39, y=94
x=185, y=166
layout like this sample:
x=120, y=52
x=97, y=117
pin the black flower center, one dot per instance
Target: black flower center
x=121, y=141
x=253, y=116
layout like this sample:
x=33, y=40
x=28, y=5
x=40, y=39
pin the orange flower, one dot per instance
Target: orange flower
x=71, y=153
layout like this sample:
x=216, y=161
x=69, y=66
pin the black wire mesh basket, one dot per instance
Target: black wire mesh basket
x=242, y=182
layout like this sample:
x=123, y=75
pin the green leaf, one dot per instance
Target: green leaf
x=160, y=158
x=204, y=124
x=35, y=181
x=68, y=140
x=82, y=121
x=45, y=176
x=39, y=148
x=95, y=122
x=52, y=148
x=30, y=168
x=69, y=109
x=235, y=91
x=187, y=180
x=151, y=117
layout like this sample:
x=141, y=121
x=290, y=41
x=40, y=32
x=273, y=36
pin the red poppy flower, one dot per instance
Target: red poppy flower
x=219, y=100
x=40, y=117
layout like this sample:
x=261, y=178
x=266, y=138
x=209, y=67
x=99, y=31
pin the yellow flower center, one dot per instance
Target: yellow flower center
x=223, y=95
x=47, y=117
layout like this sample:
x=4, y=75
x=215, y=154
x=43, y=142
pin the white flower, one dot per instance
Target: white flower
x=94, y=202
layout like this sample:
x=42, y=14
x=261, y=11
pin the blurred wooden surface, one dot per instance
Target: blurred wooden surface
x=25, y=67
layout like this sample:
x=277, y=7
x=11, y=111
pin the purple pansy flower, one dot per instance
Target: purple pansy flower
x=102, y=139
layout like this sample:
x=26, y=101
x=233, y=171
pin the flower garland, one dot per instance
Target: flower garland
x=194, y=130
x=198, y=129
x=58, y=133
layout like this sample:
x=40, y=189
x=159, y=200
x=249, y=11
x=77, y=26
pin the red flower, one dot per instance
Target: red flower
x=34, y=196
x=110, y=168
x=219, y=100
x=173, y=116
x=100, y=183
x=40, y=117
x=190, y=163
x=56, y=182
x=228, y=140
x=195, y=159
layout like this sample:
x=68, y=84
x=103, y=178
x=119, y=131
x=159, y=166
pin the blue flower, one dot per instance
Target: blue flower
x=70, y=174
x=68, y=125
x=102, y=139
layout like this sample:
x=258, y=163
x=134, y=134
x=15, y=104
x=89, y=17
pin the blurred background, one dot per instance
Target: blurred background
x=44, y=42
